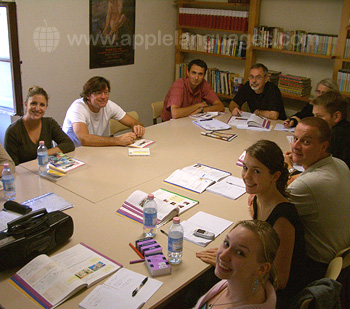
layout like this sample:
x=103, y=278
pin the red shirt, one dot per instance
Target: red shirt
x=181, y=95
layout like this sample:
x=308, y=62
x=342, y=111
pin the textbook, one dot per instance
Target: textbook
x=196, y=178
x=212, y=124
x=230, y=187
x=204, y=115
x=220, y=135
x=169, y=205
x=141, y=143
x=63, y=163
x=50, y=281
x=250, y=121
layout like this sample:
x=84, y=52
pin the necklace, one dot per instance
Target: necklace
x=255, y=291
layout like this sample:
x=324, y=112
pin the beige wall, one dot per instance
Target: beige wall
x=63, y=71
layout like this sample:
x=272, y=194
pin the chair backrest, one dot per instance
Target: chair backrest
x=341, y=260
x=115, y=126
x=157, y=109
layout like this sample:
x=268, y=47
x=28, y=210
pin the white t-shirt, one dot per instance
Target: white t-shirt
x=97, y=123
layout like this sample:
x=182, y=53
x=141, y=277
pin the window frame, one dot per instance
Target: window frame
x=14, y=60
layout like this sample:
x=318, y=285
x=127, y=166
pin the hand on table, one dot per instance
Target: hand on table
x=139, y=130
x=236, y=111
x=288, y=123
x=126, y=139
x=208, y=256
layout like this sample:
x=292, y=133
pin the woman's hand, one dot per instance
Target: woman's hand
x=208, y=256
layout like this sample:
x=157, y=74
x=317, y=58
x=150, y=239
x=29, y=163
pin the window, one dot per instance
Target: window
x=11, y=101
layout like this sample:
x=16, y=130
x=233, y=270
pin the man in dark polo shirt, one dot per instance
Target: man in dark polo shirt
x=263, y=97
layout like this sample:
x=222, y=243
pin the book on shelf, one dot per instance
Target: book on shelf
x=196, y=178
x=169, y=205
x=63, y=163
x=230, y=187
x=117, y=291
x=206, y=222
x=295, y=85
x=50, y=281
x=220, y=135
x=141, y=143
x=212, y=124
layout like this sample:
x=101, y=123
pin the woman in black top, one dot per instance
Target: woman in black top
x=323, y=86
x=265, y=175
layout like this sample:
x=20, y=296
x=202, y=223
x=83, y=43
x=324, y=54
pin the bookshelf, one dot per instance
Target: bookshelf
x=344, y=33
x=332, y=62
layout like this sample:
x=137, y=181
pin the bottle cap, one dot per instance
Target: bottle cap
x=41, y=143
x=6, y=165
x=176, y=220
x=151, y=196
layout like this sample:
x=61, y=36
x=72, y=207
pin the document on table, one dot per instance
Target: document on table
x=116, y=292
x=230, y=187
x=206, y=222
x=281, y=127
x=50, y=201
x=212, y=124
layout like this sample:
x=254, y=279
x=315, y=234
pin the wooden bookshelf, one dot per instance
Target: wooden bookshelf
x=209, y=54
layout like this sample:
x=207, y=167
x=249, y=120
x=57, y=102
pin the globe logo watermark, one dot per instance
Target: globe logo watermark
x=46, y=38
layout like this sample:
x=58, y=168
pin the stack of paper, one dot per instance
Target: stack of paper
x=206, y=222
x=212, y=124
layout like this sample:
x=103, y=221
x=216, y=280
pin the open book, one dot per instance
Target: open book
x=141, y=143
x=196, y=178
x=51, y=280
x=250, y=121
x=169, y=205
x=230, y=187
x=63, y=163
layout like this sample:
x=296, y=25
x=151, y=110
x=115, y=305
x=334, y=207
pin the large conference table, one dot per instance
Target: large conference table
x=109, y=176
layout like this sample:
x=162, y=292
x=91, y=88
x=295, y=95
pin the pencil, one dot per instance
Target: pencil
x=137, y=251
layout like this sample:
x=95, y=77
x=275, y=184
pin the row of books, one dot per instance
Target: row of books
x=296, y=40
x=343, y=80
x=295, y=85
x=214, y=19
x=224, y=82
x=213, y=44
x=347, y=49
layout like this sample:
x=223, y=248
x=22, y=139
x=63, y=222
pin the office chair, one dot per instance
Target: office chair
x=115, y=126
x=157, y=109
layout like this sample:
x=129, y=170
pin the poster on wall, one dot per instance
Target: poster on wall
x=112, y=30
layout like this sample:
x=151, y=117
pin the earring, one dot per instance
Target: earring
x=255, y=286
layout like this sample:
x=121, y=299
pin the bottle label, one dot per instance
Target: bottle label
x=8, y=184
x=43, y=158
x=150, y=219
x=175, y=244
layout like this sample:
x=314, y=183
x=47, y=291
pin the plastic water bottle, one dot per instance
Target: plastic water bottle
x=175, y=241
x=43, y=157
x=150, y=216
x=8, y=182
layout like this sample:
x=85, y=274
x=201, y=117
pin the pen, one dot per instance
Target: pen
x=165, y=233
x=137, y=251
x=205, y=119
x=134, y=292
x=137, y=261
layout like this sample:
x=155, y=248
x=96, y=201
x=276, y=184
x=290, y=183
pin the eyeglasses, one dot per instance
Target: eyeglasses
x=100, y=93
x=258, y=78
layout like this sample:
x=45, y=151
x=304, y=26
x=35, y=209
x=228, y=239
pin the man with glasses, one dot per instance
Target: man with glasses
x=87, y=119
x=263, y=97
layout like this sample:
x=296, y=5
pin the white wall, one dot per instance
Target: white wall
x=63, y=71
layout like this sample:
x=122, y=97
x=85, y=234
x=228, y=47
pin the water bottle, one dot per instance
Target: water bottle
x=8, y=183
x=175, y=241
x=43, y=157
x=150, y=216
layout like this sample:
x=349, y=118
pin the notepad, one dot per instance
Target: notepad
x=230, y=187
x=212, y=124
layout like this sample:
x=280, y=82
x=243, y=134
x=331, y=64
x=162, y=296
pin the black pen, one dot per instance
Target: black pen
x=134, y=292
x=165, y=233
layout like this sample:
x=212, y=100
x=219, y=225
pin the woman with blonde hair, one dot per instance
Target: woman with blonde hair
x=22, y=137
x=245, y=263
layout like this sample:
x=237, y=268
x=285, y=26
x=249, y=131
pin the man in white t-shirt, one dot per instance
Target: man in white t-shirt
x=87, y=119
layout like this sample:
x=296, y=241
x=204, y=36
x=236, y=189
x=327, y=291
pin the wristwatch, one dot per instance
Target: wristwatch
x=202, y=110
x=257, y=112
x=291, y=170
